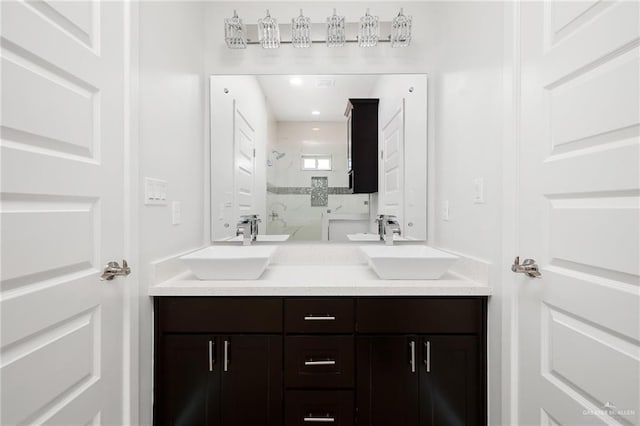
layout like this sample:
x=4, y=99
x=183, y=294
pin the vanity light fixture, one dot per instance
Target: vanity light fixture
x=301, y=31
x=369, y=30
x=336, y=30
x=235, y=32
x=269, y=32
x=401, y=30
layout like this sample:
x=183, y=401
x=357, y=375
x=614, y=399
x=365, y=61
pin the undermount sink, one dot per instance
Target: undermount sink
x=230, y=262
x=408, y=262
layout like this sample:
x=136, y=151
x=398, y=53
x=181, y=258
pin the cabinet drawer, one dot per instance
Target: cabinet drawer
x=318, y=315
x=413, y=315
x=305, y=408
x=219, y=315
x=319, y=362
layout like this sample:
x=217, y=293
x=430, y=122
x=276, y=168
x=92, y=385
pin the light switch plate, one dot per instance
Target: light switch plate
x=155, y=192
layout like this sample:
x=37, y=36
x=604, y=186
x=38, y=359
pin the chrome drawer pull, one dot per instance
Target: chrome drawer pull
x=319, y=318
x=323, y=362
x=211, y=360
x=226, y=355
x=427, y=361
x=412, y=345
x=319, y=419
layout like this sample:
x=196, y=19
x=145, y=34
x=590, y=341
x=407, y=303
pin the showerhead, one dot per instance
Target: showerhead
x=279, y=155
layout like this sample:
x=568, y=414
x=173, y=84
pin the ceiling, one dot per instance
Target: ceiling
x=326, y=94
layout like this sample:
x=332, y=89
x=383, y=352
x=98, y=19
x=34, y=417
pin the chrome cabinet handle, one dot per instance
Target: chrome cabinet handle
x=313, y=419
x=226, y=355
x=427, y=356
x=319, y=318
x=211, y=360
x=412, y=345
x=323, y=362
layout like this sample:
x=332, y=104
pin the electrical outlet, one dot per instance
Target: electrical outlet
x=176, y=213
x=445, y=210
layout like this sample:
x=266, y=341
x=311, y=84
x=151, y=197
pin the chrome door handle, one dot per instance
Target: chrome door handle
x=528, y=267
x=322, y=362
x=113, y=269
x=319, y=318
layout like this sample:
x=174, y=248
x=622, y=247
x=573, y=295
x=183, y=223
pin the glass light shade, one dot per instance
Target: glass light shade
x=301, y=31
x=369, y=30
x=235, y=32
x=336, y=31
x=269, y=32
x=401, y=30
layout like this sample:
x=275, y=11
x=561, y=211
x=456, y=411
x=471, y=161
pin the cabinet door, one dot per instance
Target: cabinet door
x=387, y=381
x=449, y=381
x=251, y=380
x=188, y=383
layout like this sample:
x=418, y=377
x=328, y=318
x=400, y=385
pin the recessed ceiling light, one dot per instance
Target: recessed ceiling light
x=315, y=129
x=295, y=81
x=315, y=112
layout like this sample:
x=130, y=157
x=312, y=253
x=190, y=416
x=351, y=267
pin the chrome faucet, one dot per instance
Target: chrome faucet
x=388, y=226
x=248, y=228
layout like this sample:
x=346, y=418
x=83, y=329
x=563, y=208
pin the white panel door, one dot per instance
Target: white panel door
x=579, y=324
x=62, y=212
x=392, y=135
x=244, y=141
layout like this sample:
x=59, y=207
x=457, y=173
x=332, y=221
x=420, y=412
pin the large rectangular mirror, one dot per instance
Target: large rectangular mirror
x=319, y=157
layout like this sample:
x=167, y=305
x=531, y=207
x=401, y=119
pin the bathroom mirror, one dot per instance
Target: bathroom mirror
x=279, y=149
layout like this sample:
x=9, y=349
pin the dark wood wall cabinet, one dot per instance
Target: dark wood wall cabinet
x=362, y=145
x=366, y=361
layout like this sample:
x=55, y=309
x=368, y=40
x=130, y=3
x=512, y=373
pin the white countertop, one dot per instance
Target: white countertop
x=320, y=280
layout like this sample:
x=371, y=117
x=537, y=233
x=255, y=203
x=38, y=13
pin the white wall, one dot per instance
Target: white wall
x=392, y=90
x=250, y=100
x=467, y=91
x=171, y=147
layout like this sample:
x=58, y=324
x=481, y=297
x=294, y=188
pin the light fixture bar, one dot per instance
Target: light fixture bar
x=318, y=33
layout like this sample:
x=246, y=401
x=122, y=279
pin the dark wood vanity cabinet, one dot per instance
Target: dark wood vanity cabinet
x=366, y=361
x=362, y=145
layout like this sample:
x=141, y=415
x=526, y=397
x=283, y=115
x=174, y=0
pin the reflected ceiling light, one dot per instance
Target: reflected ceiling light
x=368, y=31
x=269, y=32
x=295, y=81
x=301, y=31
x=315, y=129
x=336, y=32
x=315, y=112
x=235, y=33
x=401, y=30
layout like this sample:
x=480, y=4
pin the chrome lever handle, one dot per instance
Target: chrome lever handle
x=113, y=269
x=528, y=267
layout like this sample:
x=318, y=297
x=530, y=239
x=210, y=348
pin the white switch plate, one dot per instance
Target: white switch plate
x=445, y=210
x=176, y=213
x=478, y=191
x=155, y=192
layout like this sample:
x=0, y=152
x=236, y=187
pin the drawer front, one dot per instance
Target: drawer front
x=219, y=315
x=319, y=315
x=308, y=408
x=319, y=362
x=414, y=315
